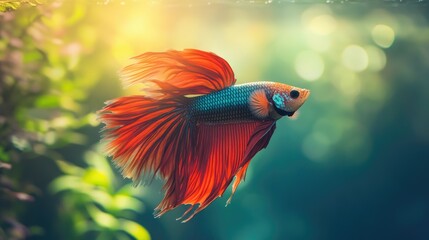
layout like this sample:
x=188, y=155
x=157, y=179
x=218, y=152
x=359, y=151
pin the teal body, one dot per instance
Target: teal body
x=227, y=105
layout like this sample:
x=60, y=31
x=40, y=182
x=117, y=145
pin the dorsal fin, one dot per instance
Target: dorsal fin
x=189, y=72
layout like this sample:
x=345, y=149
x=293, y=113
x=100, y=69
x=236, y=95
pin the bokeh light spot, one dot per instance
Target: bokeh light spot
x=316, y=146
x=383, y=35
x=320, y=43
x=315, y=11
x=61, y=122
x=322, y=25
x=355, y=58
x=309, y=65
x=377, y=58
x=54, y=73
x=348, y=83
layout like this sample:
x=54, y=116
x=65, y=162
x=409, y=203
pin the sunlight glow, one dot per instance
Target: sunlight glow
x=350, y=85
x=355, y=58
x=309, y=65
x=377, y=58
x=320, y=43
x=322, y=25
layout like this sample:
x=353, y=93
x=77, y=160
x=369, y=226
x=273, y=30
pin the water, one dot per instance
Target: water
x=352, y=166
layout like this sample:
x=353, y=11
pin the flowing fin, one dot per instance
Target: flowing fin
x=189, y=72
x=216, y=162
x=144, y=135
x=240, y=176
x=259, y=104
x=259, y=140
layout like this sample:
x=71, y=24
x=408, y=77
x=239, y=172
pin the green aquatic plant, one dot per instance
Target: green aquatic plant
x=44, y=86
x=21, y=85
x=6, y=5
x=94, y=204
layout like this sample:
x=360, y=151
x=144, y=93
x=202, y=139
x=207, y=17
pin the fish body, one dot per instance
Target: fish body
x=234, y=104
x=192, y=126
x=225, y=106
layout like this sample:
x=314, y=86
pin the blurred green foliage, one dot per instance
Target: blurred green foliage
x=93, y=203
x=352, y=166
x=8, y=5
x=44, y=86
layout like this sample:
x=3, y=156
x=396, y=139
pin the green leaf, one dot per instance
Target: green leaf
x=32, y=56
x=69, y=168
x=122, y=202
x=4, y=157
x=21, y=143
x=54, y=73
x=67, y=182
x=101, y=197
x=90, y=119
x=48, y=101
x=96, y=177
x=9, y=6
x=102, y=219
x=99, y=161
x=135, y=230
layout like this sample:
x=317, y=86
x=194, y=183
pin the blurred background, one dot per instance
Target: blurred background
x=354, y=165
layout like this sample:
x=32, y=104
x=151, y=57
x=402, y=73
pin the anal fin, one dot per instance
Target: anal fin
x=223, y=152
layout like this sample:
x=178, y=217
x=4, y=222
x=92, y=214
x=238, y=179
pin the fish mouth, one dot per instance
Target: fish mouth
x=306, y=93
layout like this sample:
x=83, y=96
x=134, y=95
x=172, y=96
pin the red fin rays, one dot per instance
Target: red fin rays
x=144, y=135
x=190, y=71
x=222, y=152
x=258, y=141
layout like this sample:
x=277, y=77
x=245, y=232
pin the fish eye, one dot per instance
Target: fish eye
x=294, y=94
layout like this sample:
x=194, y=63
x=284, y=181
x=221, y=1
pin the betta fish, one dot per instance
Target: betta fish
x=192, y=126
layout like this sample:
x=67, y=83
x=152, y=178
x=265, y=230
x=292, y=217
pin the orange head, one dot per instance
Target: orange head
x=286, y=99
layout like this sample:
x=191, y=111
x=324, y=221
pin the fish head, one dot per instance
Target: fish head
x=288, y=99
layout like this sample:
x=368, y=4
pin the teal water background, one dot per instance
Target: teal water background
x=353, y=165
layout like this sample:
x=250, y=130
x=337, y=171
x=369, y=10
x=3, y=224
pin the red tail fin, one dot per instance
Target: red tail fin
x=144, y=134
